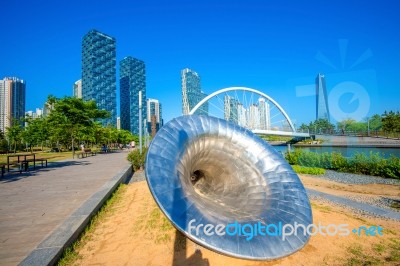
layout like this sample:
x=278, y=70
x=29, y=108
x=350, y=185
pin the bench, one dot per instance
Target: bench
x=86, y=153
x=22, y=161
x=41, y=160
x=3, y=169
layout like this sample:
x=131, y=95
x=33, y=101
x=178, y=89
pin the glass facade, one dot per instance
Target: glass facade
x=132, y=80
x=99, y=73
x=321, y=98
x=191, y=92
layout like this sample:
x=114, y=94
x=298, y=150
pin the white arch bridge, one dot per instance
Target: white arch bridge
x=249, y=108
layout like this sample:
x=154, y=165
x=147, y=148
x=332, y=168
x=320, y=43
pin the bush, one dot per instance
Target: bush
x=138, y=160
x=372, y=164
x=308, y=170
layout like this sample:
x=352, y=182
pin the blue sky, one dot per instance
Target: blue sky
x=277, y=47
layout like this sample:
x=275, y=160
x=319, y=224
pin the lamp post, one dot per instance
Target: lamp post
x=140, y=122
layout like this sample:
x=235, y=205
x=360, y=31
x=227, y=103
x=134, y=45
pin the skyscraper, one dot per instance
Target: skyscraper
x=12, y=101
x=265, y=117
x=242, y=115
x=191, y=92
x=231, y=109
x=321, y=98
x=132, y=80
x=154, y=116
x=99, y=73
x=77, y=89
x=253, y=117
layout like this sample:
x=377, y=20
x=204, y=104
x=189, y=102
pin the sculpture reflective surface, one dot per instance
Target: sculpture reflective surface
x=214, y=172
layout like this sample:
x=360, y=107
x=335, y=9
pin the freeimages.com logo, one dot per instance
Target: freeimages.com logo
x=250, y=230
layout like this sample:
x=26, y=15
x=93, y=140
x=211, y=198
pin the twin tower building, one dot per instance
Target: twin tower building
x=99, y=83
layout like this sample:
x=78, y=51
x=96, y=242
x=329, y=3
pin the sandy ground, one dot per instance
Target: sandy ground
x=135, y=232
x=340, y=189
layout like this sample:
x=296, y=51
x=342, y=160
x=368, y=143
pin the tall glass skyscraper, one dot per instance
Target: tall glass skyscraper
x=191, y=92
x=12, y=101
x=132, y=80
x=99, y=73
x=321, y=98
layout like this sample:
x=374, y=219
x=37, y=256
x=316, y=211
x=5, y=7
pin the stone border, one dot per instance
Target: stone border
x=49, y=251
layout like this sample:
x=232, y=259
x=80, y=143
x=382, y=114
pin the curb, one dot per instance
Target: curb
x=49, y=251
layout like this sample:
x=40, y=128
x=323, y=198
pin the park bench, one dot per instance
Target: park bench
x=86, y=153
x=3, y=169
x=22, y=161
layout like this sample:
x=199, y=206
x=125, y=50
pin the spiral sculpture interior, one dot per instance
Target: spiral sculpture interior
x=212, y=171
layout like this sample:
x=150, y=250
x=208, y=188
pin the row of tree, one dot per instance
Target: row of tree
x=71, y=121
x=388, y=122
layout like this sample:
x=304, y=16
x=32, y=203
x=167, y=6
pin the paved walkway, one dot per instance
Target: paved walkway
x=386, y=213
x=34, y=204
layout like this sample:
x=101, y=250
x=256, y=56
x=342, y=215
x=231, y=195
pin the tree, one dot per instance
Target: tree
x=391, y=121
x=347, y=124
x=124, y=136
x=321, y=125
x=36, y=131
x=3, y=142
x=375, y=122
x=14, y=133
x=304, y=128
x=71, y=116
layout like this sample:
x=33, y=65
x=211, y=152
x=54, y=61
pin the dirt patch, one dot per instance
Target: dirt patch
x=137, y=233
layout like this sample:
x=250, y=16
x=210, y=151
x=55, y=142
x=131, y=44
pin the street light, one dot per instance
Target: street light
x=140, y=122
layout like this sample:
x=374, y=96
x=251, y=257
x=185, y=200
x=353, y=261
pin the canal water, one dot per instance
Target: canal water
x=346, y=151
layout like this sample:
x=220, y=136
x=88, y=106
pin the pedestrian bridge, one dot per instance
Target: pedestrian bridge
x=249, y=108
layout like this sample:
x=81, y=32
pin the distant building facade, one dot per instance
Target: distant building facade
x=77, y=89
x=118, y=123
x=99, y=73
x=132, y=80
x=231, y=109
x=35, y=114
x=154, y=116
x=321, y=98
x=192, y=93
x=265, y=117
x=12, y=101
x=255, y=116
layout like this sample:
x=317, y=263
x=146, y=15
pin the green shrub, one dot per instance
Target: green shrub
x=338, y=161
x=308, y=170
x=137, y=159
x=372, y=164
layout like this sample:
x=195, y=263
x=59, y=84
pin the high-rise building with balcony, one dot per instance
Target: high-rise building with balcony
x=12, y=101
x=99, y=73
x=321, y=98
x=242, y=115
x=191, y=92
x=265, y=117
x=132, y=80
x=154, y=116
x=253, y=117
